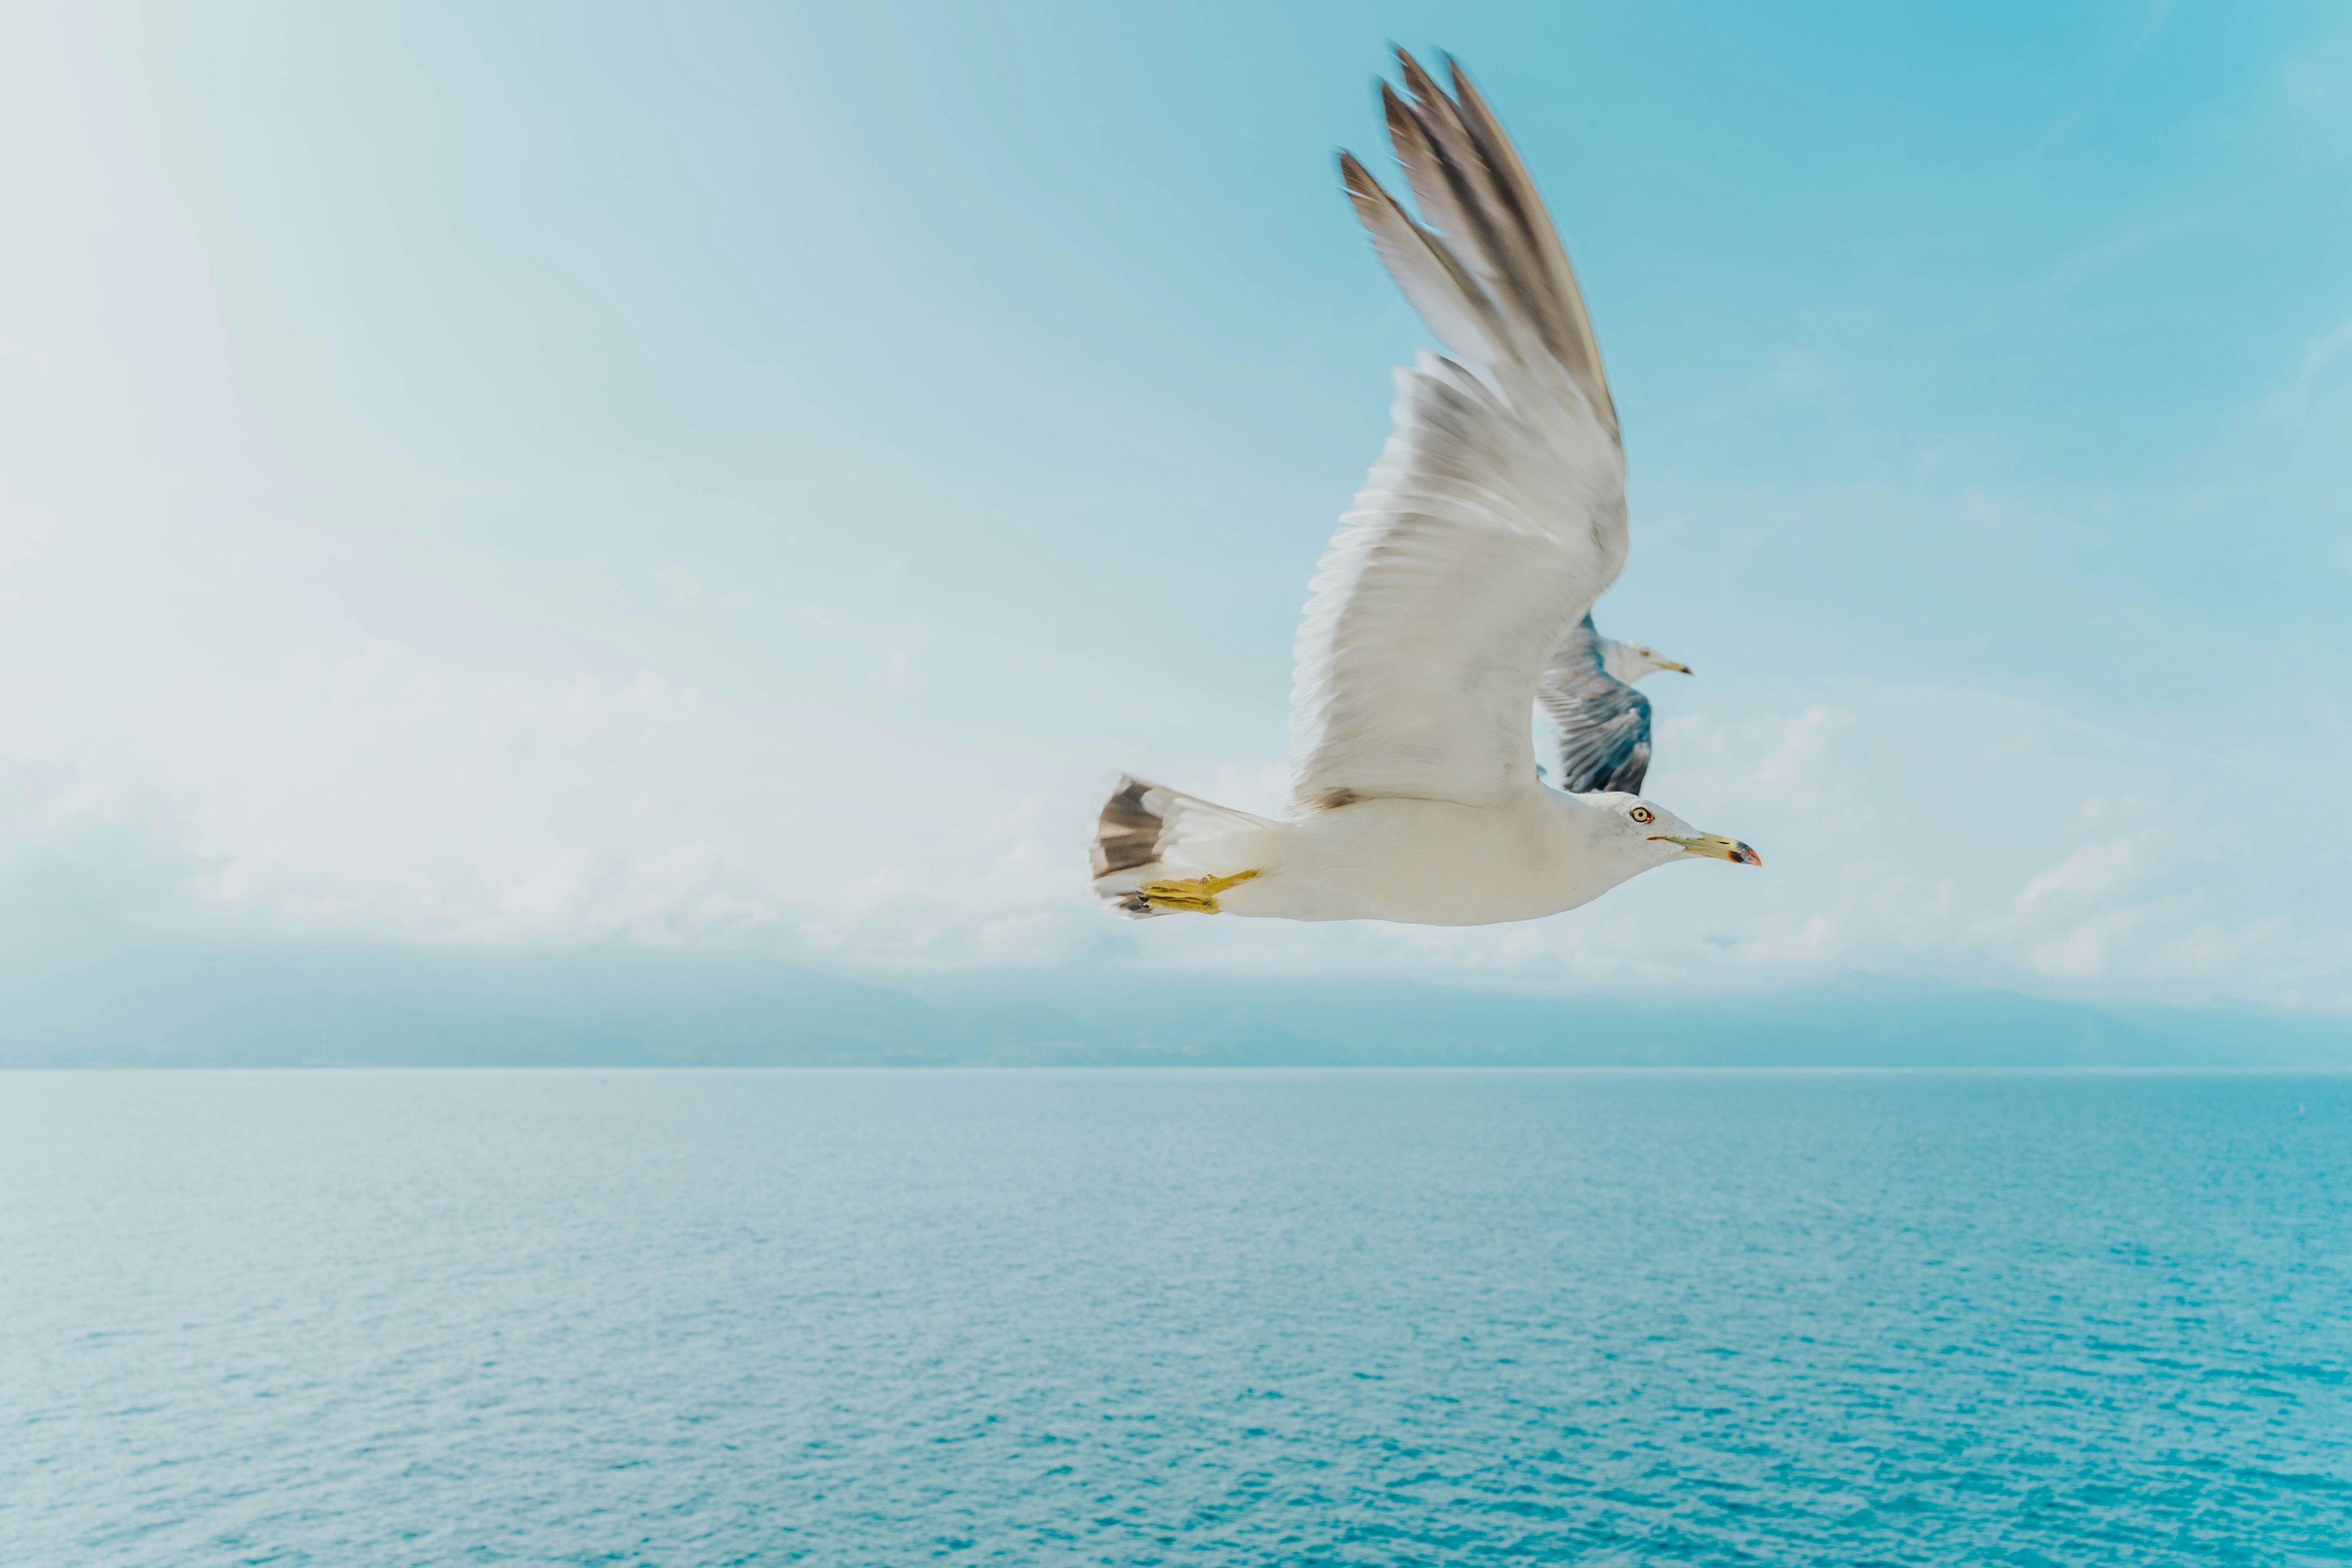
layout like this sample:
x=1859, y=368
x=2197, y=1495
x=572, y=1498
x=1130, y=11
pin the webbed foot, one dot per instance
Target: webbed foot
x=1198, y=894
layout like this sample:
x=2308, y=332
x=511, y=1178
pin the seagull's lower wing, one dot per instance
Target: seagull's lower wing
x=1602, y=725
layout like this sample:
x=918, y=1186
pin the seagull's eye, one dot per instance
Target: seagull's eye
x=1643, y=814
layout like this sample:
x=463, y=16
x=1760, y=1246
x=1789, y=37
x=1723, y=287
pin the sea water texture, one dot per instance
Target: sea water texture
x=1310, y=1317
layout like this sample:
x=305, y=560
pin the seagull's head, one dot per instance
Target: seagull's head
x=1649, y=833
x=1629, y=662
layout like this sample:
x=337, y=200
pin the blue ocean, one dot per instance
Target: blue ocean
x=358, y=1319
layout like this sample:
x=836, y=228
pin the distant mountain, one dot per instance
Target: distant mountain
x=292, y=1005
x=1206, y=1019
x=186, y=1004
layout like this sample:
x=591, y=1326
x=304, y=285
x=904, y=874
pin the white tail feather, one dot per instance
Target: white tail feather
x=1150, y=833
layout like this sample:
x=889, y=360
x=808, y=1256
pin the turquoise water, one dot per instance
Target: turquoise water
x=703, y=1318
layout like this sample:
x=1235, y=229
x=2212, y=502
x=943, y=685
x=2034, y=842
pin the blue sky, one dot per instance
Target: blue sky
x=743, y=475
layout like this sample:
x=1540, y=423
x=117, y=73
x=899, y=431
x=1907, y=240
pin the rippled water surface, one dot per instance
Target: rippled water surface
x=702, y=1318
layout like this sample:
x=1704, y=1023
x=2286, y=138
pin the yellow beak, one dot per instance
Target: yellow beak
x=1677, y=668
x=1714, y=847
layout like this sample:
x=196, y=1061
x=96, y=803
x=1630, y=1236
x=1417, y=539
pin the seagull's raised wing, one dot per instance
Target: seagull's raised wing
x=1496, y=512
x=1601, y=724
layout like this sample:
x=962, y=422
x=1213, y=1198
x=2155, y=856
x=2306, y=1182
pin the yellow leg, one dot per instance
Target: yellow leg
x=1195, y=893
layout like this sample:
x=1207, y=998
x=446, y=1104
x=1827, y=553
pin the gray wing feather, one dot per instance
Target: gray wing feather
x=1601, y=724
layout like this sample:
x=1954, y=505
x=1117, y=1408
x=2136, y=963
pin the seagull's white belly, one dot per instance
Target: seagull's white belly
x=1421, y=862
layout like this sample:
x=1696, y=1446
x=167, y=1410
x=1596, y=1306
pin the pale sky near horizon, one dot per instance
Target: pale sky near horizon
x=745, y=475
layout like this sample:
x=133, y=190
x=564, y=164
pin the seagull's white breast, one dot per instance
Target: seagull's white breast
x=1424, y=862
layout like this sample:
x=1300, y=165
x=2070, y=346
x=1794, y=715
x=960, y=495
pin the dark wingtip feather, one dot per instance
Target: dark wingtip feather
x=1418, y=81
x=1518, y=189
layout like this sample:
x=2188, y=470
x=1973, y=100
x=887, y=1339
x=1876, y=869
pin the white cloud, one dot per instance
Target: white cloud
x=313, y=775
x=2090, y=870
x=2317, y=374
x=2081, y=954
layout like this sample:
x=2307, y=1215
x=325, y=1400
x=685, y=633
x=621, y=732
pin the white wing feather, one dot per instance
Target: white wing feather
x=1496, y=512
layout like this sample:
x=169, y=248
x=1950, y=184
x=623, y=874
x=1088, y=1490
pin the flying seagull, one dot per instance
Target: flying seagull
x=1599, y=725
x=1493, y=520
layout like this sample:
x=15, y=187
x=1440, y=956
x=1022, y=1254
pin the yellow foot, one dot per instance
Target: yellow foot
x=1195, y=893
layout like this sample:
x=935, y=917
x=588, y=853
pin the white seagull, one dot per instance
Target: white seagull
x=1452, y=596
